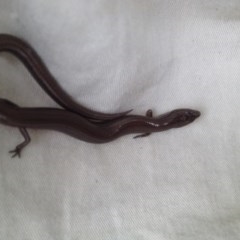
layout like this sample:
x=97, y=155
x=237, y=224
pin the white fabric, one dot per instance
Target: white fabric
x=114, y=56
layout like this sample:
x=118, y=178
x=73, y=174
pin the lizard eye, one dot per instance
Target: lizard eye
x=183, y=118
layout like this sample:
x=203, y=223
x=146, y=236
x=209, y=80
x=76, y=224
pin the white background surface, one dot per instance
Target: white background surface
x=114, y=56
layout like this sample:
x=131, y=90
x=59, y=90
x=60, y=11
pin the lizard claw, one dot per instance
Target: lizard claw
x=16, y=152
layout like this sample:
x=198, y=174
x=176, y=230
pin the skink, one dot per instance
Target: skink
x=76, y=126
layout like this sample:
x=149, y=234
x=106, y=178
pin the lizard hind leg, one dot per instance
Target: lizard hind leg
x=17, y=151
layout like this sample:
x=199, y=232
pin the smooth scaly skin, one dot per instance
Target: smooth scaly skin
x=28, y=56
x=80, y=128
